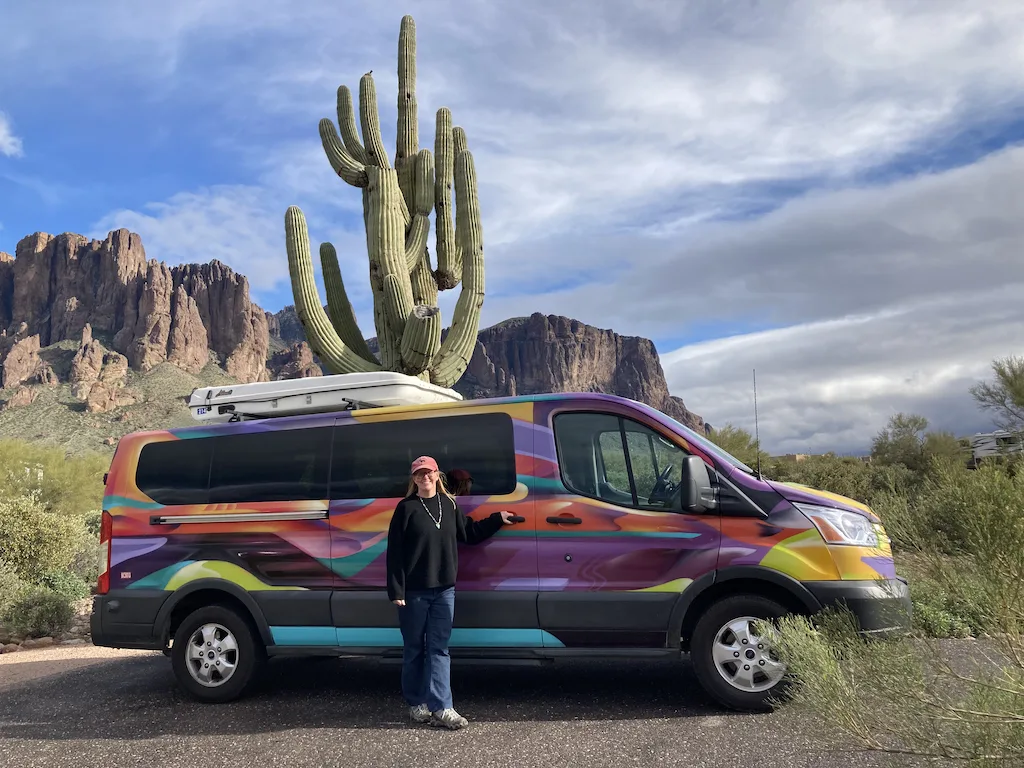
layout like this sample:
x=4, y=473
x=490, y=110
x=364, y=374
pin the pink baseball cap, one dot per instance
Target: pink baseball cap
x=423, y=462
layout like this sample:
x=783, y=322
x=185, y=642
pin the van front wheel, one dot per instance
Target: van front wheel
x=733, y=663
x=215, y=654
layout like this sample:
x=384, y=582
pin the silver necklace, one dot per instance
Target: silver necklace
x=440, y=512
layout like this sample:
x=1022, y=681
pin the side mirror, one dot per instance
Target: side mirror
x=696, y=493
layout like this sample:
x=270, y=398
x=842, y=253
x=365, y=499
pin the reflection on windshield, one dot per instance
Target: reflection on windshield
x=698, y=439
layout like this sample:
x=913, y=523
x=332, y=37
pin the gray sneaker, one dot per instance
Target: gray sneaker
x=420, y=713
x=448, y=718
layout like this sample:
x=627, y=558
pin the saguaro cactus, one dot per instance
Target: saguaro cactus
x=397, y=203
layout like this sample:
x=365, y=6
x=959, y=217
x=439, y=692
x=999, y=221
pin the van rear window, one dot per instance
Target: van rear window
x=175, y=471
x=285, y=465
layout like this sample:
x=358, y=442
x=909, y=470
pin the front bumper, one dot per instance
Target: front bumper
x=881, y=607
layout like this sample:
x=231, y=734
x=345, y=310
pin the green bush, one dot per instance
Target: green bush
x=67, y=584
x=39, y=612
x=11, y=586
x=62, y=483
x=35, y=540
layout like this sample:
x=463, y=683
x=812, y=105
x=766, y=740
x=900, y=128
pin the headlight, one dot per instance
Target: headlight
x=838, y=526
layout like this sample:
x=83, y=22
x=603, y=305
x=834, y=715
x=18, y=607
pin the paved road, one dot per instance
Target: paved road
x=126, y=710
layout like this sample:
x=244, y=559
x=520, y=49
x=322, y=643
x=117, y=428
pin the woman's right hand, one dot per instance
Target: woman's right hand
x=398, y=602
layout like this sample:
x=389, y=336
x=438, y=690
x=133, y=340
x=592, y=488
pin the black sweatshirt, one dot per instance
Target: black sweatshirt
x=420, y=556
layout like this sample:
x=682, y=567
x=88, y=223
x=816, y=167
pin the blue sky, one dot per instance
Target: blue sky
x=830, y=192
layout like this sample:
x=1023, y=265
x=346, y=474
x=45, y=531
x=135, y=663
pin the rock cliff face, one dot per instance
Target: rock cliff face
x=547, y=353
x=56, y=286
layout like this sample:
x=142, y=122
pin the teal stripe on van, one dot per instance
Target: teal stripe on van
x=391, y=637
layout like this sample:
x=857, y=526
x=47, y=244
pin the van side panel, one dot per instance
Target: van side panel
x=497, y=582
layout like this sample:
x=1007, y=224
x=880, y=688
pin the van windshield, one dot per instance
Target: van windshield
x=695, y=437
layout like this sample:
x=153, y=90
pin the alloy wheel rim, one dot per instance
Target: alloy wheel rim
x=744, y=659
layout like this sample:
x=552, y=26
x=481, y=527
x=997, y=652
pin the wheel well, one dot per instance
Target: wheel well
x=204, y=597
x=724, y=589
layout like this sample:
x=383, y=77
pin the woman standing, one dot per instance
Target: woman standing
x=422, y=565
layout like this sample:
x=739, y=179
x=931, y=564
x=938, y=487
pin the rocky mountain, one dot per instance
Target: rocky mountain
x=116, y=315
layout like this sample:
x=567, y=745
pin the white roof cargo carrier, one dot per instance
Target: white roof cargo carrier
x=318, y=394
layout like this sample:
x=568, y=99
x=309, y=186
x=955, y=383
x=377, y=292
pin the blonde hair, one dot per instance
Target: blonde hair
x=442, y=486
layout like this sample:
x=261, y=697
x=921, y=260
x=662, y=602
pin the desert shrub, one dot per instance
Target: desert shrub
x=11, y=586
x=62, y=483
x=35, y=540
x=908, y=698
x=65, y=583
x=39, y=612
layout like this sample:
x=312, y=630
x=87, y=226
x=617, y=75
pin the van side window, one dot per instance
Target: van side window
x=175, y=471
x=276, y=465
x=371, y=460
x=615, y=459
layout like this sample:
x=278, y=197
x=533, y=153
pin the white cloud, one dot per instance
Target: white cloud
x=10, y=145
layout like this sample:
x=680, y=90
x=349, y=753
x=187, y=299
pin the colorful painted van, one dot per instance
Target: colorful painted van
x=230, y=543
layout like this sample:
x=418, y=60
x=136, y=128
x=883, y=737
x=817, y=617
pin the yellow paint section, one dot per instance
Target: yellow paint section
x=851, y=565
x=676, y=585
x=805, y=557
x=215, y=569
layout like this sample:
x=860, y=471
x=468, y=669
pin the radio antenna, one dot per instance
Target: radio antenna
x=757, y=434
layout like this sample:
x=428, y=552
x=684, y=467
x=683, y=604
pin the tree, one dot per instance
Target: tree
x=739, y=443
x=945, y=446
x=901, y=442
x=1005, y=395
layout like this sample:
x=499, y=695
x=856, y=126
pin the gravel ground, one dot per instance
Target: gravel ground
x=89, y=706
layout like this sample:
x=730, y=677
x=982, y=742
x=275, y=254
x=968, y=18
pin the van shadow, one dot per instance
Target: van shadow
x=138, y=698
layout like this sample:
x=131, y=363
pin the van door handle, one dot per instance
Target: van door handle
x=566, y=520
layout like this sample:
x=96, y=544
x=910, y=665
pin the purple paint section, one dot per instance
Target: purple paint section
x=533, y=441
x=884, y=565
x=122, y=549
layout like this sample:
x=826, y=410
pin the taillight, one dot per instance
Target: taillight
x=106, y=531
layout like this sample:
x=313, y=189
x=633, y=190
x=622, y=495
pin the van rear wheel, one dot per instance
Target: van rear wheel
x=215, y=654
x=733, y=663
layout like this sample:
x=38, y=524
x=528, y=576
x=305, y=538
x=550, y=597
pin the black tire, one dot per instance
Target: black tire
x=702, y=643
x=249, y=655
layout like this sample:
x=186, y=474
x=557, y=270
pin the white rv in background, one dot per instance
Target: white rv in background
x=992, y=444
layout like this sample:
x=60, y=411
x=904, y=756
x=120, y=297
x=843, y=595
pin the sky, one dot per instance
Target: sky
x=829, y=194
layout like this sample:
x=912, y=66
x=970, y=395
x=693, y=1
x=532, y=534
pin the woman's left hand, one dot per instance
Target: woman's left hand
x=506, y=518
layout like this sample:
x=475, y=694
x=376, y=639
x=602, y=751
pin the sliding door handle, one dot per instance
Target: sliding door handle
x=565, y=520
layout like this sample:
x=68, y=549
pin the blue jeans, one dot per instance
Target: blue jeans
x=426, y=622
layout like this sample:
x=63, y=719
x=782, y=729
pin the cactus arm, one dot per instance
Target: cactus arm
x=421, y=339
x=457, y=349
x=370, y=119
x=459, y=139
x=347, y=123
x=323, y=339
x=386, y=236
x=416, y=238
x=346, y=166
x=408, y=122
x=448, y=268
x=339, y=308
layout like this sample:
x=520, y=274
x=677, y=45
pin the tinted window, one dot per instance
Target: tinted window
x=175, y=472
x=616, y=460
x=280, y=465
x=372, y=460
